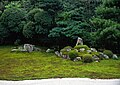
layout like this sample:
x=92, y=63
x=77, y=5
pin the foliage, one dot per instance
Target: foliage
x=109, y=13
x=17, y=42
x=28, y=30
x=55, y=32
x=109, y=38
x=87, y=58
x=11, y=18
x=43, y=18
x=108, y=53
x=51, y=6
x=30, y=15
x=82, y=46
x=73, y=54
x=13, y=4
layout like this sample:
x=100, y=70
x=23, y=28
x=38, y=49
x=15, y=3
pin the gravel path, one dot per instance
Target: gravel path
x=64, y=81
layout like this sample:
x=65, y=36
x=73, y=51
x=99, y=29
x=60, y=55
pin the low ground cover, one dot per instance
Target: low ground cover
x=40, y=65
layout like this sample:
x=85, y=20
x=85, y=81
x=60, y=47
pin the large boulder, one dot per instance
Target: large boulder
x=115, y=56
x=29, y=47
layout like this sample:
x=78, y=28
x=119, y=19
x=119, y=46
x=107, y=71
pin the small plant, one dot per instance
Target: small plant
x=108, y=53
x=64, y=51
x=87, y=58
x=82, y=46
x=73, y=54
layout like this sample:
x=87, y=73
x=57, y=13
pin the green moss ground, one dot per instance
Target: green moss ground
x=40, y=65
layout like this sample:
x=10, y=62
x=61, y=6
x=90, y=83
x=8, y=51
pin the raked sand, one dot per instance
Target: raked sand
x=64, y=81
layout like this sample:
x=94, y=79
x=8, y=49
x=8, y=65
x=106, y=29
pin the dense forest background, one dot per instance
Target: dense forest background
x=60, y=22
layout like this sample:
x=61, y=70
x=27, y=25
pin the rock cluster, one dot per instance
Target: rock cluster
x=26, y=48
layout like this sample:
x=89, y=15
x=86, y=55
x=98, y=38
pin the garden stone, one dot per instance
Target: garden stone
x=61, y=53
x=106, y=57
x=101, y=55
x=68, y=49
x=115, y=56
x=65, y=56
x=57, y=53
x=76, y=50
x=68, y=57
x=28, y=47
x=96, y=59
x=14, y=50
x=93, y=49
x=89, y=51
x=77, y=59
x=82, y=49
x=79, y=41
x=49, y=50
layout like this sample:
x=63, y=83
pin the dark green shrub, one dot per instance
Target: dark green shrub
x=73, y=54
x=87, y=58
x=108, y=53
x=82, y=46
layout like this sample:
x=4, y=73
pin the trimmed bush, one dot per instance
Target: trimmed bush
x=87, y=58
x=108, y=53
x=81, y=54
x=95, y=53
x=64, y=52
x=82, y=46
x=68, y=47
x=73, y=54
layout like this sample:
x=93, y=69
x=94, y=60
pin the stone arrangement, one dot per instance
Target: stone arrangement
x=96, y=56
x=26, y=48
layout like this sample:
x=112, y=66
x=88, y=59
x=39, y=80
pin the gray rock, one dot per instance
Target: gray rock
x=57, y=53
x=77, y=59
x=106, y=57
x=89, y=51
x=93, y=49
x=79, y=41
x=76, y=50
x=65, y=56
x=49, y=50
x=29, y=47
x=82, y=49
x=115, y=56
x=14, y=50
x=95, y=58
x=68, y=49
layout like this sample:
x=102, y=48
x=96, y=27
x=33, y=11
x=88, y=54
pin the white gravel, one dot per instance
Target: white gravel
x=64, y=81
